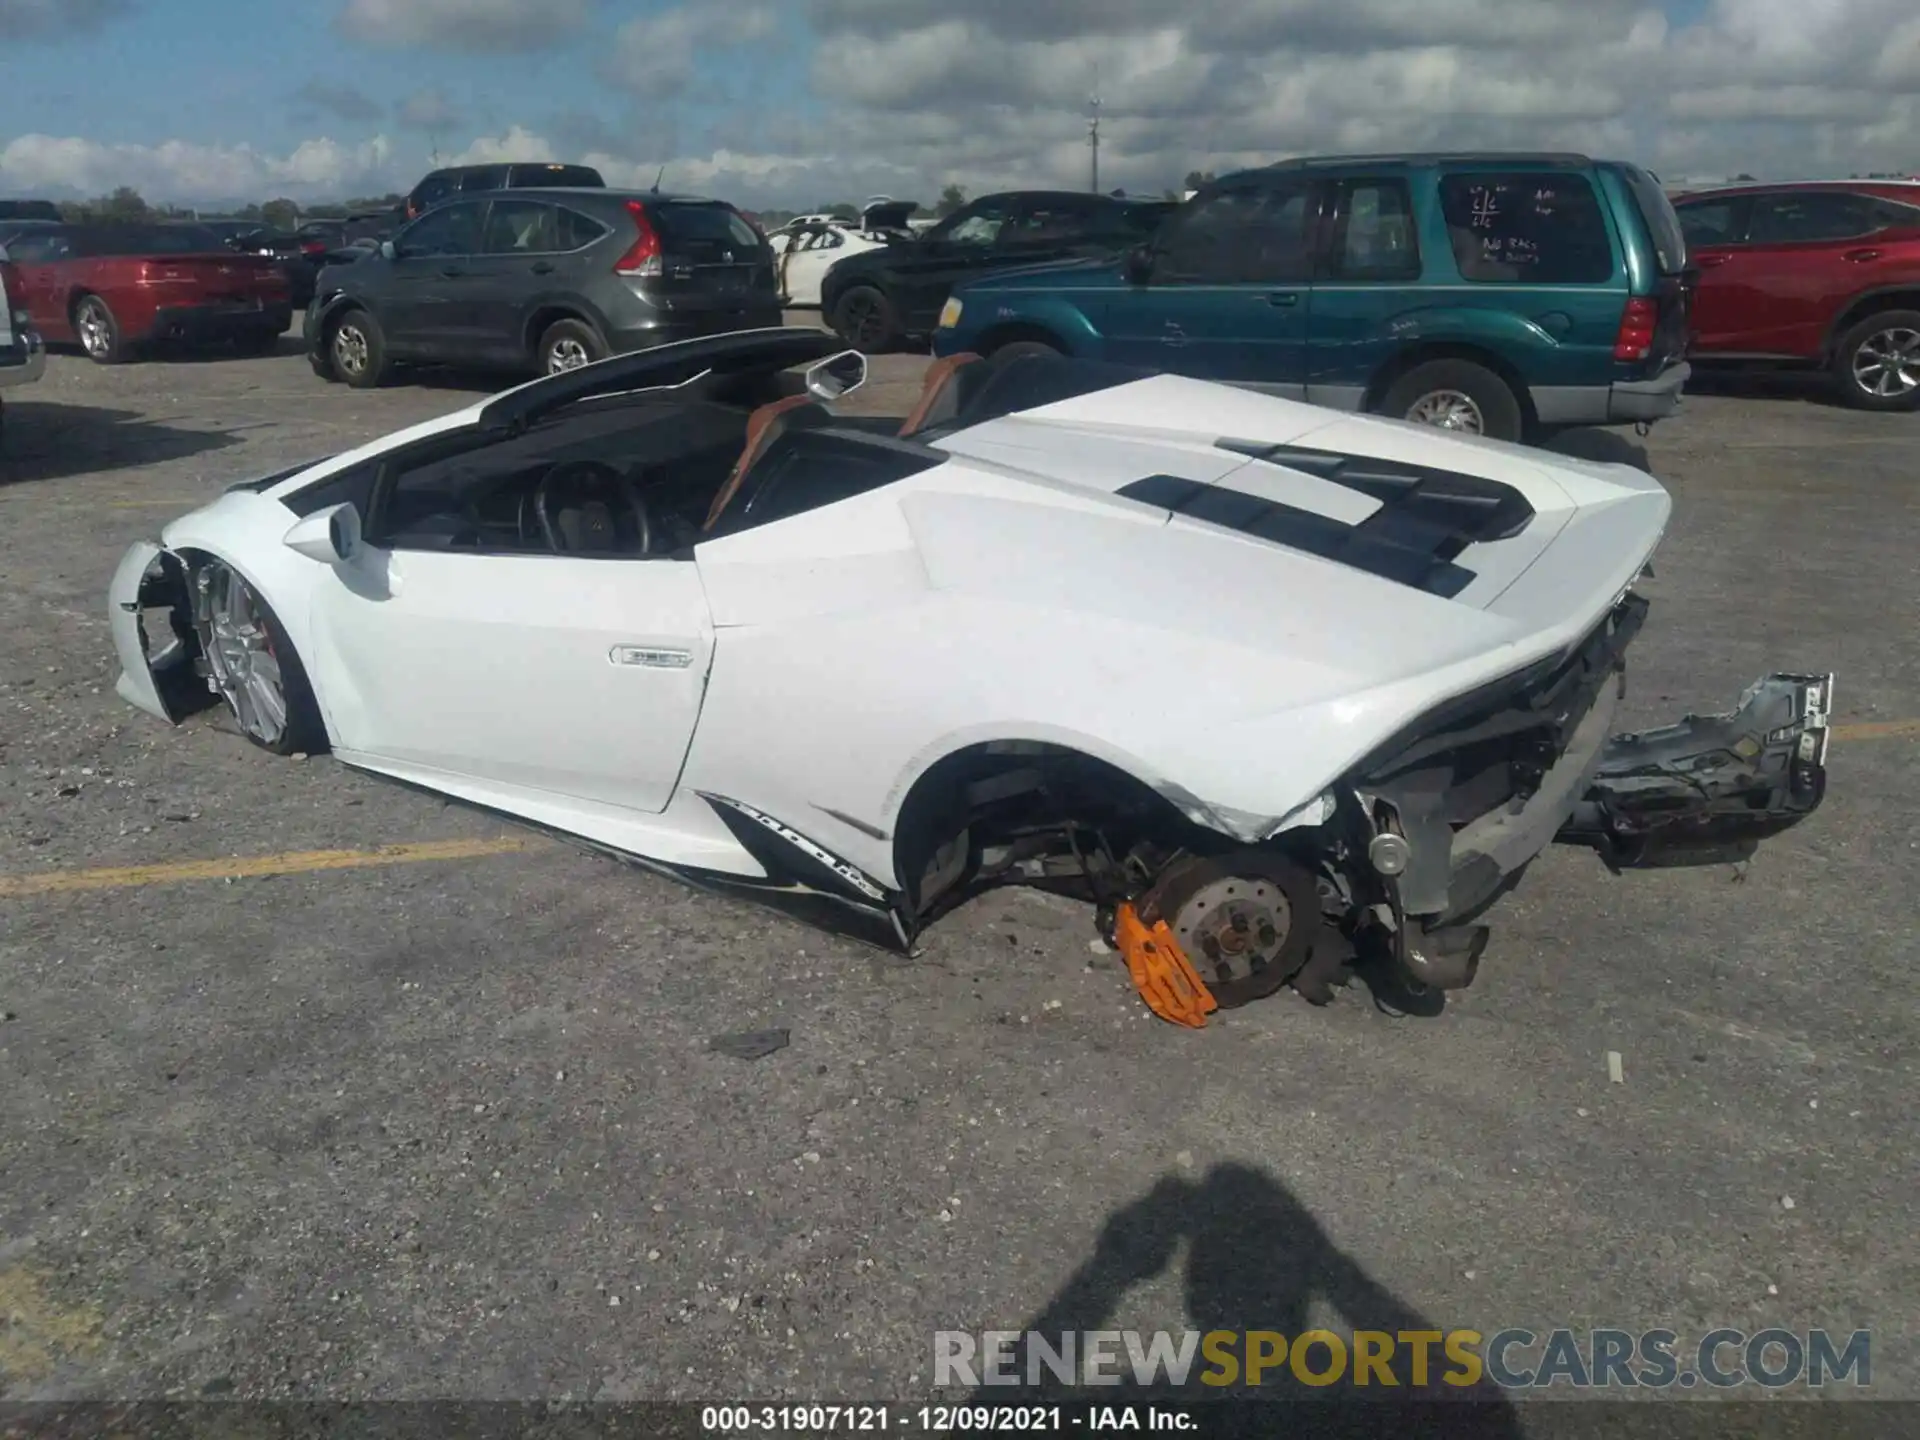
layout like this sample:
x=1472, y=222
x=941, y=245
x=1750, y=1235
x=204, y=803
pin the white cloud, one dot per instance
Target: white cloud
x=1898, y=63
x=516, y=144
x=653, y=55
x=994, y=93
x=429, y=110
x=477, y=26
x=909, y=95
x=175, y=170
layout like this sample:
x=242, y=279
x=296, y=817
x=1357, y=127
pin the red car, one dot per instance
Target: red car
x=113, y=288
x=1818, y=275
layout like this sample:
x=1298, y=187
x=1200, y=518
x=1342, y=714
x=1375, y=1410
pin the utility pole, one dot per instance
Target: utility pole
x=1093, y=130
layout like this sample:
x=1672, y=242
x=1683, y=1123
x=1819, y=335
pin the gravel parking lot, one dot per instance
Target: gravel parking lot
x=447, y=1124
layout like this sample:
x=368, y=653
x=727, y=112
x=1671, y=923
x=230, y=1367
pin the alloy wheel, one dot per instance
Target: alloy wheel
x=566, y=354
x=96, y=328
x=240, y=655
x=350, y=349
x=1886, y=364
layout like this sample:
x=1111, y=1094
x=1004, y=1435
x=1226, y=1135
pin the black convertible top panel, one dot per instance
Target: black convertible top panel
x=674, y=363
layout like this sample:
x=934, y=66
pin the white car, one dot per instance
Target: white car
x=805, y=252
x=1268, y=684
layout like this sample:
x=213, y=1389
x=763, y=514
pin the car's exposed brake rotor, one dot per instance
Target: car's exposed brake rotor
x=1218, y=931
x=1235, y=927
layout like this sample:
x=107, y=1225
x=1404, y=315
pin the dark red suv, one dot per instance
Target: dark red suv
x=1822, y=274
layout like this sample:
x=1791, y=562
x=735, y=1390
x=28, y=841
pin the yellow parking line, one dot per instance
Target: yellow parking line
x=246, y=866
x=299, y=862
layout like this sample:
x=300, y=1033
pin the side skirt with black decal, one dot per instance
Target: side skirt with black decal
x=845, y=901
x=809, y=881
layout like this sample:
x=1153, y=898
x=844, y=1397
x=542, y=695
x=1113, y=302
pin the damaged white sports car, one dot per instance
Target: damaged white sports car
x=674, y=607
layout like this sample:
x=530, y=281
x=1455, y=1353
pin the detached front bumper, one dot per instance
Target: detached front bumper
x=1457, y=811
x=1709, y=789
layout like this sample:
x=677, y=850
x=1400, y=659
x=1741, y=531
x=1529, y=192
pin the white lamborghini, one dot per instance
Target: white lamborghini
x=673, y=606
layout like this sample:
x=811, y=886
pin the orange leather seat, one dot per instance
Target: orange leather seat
x=937, y=386
x=763, y=427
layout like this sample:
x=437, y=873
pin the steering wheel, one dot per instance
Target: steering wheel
x=583, y=482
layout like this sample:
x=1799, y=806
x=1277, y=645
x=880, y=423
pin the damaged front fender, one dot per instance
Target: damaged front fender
x=1709, y=789
x=157, y=672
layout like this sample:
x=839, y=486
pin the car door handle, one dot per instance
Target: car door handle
x=1707, y=262
x=542, y=268
x=1860, y=257
x=453, y=272
x=1283, y=300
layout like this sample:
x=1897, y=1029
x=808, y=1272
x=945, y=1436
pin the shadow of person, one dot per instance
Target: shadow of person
x=1256, y=1259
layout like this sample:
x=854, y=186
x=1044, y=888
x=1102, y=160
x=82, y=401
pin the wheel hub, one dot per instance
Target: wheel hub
x=1887, y=363
x=1234, y=928
x=350, y=349
x=1448, y=410
x=566, y=355
x=93, y=330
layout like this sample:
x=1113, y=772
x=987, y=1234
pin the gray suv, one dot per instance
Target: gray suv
x=543, y=280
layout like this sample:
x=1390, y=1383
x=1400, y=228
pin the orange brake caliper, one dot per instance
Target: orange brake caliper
x=1163, y=975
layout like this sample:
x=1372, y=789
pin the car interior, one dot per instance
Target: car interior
x=654, y=473
x=625, y=480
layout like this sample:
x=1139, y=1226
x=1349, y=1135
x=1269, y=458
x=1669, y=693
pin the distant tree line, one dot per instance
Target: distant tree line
x=126, y=203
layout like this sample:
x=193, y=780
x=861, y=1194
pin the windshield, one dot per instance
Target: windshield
x=979, y=224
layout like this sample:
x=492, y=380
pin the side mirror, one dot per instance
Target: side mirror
x=837, y=375
x=331, y=536
x=387, y=251
x=1139, y=265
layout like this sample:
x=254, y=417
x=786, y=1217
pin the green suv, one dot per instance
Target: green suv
x=1498, y=294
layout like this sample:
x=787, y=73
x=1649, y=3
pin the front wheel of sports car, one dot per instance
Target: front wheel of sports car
x=1456, y=395
x=256, y=670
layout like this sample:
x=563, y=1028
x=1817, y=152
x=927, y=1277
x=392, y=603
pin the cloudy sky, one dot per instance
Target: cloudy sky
x=800, y=102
